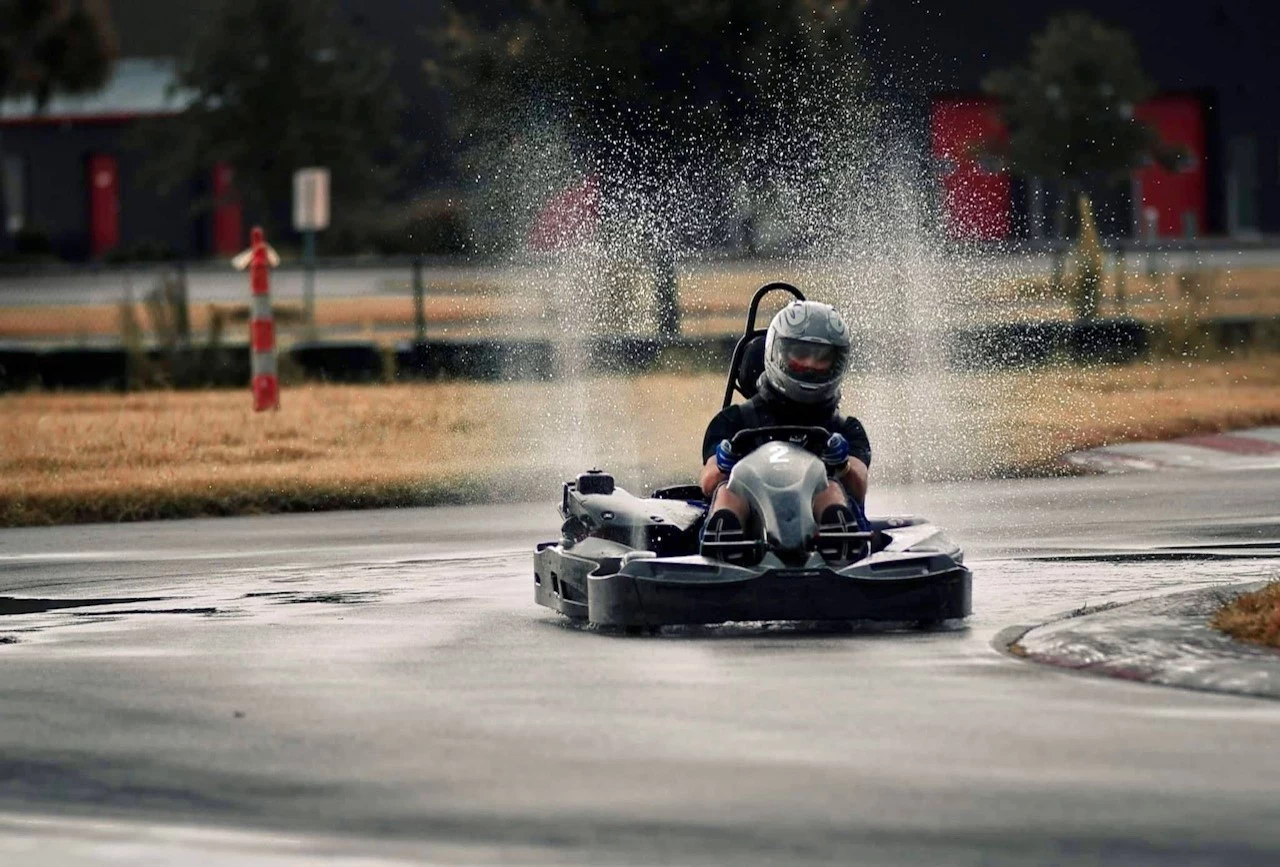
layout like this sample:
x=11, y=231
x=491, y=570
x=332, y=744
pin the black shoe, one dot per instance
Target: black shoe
x=724, y=539
x=839, y=514
x=836, y=521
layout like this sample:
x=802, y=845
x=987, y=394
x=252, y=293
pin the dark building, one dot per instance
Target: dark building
x=76, y=180
x=1212, y=63
x=73, y=176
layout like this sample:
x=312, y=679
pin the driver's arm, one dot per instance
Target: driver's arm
x=854, y=478
x=726, y=423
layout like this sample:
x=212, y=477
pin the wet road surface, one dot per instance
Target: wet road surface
x=379, y=686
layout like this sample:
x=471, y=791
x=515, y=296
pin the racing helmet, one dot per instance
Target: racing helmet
x=806, y=350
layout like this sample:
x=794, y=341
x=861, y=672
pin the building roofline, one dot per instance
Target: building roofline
x=138, y=87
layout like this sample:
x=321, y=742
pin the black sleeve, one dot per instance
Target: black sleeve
x=856, y=434
x=727, y=422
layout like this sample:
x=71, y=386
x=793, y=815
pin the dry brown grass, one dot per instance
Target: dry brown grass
x=1058, y=410
x=1252, y=617
x=121, y=457
x=111, y=457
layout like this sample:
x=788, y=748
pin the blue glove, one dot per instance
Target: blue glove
x=836, y=454
x=725, y=458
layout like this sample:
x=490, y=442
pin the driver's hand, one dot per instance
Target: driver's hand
x=725, y=456
x=836, y=454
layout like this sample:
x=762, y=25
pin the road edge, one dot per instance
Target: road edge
x=1164, y=641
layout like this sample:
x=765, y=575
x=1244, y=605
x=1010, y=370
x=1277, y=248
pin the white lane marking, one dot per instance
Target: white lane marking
x=68, y=555
x=1261, y=715
x=49, y=839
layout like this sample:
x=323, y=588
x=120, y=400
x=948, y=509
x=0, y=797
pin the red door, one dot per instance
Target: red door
x=226, y=212
x=976, y=194
x=1175, y=201
x=104, y=204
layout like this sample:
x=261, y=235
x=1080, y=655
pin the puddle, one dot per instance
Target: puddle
x=16, y=605
x=1173, y=554
x=289, y=597
x=205, y=611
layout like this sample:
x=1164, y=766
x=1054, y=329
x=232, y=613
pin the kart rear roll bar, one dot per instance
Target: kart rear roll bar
x=751, y=331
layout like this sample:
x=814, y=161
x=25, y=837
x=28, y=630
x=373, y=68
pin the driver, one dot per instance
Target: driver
x=806, y=352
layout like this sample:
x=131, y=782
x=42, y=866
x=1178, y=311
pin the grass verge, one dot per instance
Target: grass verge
x=80, y=457
x=1252, y=617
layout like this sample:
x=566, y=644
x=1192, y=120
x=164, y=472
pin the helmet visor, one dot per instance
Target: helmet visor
x=811, y=362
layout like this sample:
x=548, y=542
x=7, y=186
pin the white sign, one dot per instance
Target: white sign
x=311, y=199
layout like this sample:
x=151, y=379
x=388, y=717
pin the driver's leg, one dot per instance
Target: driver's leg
x=833, y=505
x=832, y=495
x=725, y=523
x=724, y=498
x=838, y=513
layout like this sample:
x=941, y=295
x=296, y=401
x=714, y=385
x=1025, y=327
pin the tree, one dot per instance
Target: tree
x=1069, y=109
x=658, y=68
x=644, y=89
x=277, y=85
x=52, y=46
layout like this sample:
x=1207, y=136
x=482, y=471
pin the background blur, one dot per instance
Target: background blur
x=77, y=186
x=1002, y=198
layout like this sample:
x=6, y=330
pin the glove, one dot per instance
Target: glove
x=725, y=458
x=836, y=454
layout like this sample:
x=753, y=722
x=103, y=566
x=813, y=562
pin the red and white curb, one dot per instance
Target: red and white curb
x=1254, y=449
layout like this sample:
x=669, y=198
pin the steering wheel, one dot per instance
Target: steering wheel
x=811, y=439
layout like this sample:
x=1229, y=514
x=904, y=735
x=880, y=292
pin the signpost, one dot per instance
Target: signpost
x=310, y=215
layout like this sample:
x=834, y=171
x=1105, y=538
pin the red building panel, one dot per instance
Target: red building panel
x=104, y=203
x=1178, y=199
x=228, y=233
x=976, y=197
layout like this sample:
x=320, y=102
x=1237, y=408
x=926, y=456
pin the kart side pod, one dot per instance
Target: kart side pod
x=594, y=507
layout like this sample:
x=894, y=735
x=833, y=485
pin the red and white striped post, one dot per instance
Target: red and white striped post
x=262, y=329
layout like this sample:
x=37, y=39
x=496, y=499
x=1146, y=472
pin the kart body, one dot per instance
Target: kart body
x=635, y=562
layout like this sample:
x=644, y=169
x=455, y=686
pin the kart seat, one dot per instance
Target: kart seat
x=751, y=367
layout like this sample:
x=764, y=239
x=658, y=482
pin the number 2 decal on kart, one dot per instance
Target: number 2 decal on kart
x=778, y=454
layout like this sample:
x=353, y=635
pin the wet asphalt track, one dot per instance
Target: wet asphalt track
x=379, y=685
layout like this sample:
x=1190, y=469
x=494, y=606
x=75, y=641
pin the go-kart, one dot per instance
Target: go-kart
x=640, y=562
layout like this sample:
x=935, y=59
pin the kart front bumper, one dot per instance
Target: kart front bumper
x=653, y=593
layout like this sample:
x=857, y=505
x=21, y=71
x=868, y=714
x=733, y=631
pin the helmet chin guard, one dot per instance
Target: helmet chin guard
x=806, y=352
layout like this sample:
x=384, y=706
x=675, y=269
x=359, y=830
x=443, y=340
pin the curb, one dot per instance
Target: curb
x=1250, y=449
x=1165, y=641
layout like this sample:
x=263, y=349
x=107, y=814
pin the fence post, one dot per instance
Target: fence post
x=419, y=302
x=309, y=280
x=262, y=332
